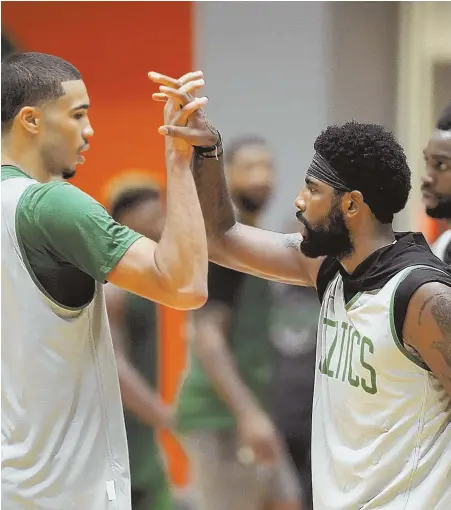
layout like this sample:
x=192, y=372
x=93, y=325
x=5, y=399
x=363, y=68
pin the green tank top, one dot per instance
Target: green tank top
x=199, y=406
x=141, y=329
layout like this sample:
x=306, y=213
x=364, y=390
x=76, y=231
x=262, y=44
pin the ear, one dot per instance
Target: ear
x=353, y=203
x=30, y=119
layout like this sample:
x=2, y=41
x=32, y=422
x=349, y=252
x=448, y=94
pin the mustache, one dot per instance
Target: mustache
x=427, y=188
x=301, y=218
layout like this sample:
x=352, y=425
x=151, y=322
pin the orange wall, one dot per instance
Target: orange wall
x=115, y=44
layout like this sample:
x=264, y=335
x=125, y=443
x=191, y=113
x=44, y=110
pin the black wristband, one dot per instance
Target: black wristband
x=214, y=151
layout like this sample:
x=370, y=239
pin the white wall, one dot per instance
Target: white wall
x=287, y=69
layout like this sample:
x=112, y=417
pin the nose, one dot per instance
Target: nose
x=88, y=131
x=300, y=203
x=427, y=179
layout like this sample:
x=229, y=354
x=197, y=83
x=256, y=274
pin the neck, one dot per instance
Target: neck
x=27, y=160
x=372, y=239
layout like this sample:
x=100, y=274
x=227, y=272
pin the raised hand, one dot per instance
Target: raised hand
x=191, y=125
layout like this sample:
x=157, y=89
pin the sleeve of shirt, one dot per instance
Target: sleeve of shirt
x=68, y=225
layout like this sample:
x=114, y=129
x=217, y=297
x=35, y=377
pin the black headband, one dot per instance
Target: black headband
x=322, y=170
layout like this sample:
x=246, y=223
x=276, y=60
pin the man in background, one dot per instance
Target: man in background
x=294, y=324
x=134, y=328
x=436, y=184
x=222, y=409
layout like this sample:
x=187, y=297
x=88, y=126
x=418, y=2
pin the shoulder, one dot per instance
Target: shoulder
x=54, y=203
x=428, y=313
x=428, y=329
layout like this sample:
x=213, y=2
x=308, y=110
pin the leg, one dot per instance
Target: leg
x=285, y=490
x=299, y=450
x=219, y=481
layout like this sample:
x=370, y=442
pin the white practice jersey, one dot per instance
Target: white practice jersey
x=64, y=444
x=381, y=420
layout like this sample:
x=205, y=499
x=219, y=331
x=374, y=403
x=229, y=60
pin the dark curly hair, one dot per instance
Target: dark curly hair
x=444, y=122
x=370, y=160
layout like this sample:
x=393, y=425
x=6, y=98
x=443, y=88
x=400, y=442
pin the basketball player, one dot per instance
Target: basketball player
x=63, y=436
x=382, y=403
x=436, y=185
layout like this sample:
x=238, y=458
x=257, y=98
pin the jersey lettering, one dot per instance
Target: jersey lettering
x=356, y=350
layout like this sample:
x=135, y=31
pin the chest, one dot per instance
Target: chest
x=357, y=344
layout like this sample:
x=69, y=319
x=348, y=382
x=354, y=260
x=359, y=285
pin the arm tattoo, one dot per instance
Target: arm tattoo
x=213, y=195
x=293, y=241
x=441, y=311
x=423, y=306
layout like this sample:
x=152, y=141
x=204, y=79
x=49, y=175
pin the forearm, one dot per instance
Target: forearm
x=139, y=398
x=216, y=360
x=213, y=195
x=181, y=255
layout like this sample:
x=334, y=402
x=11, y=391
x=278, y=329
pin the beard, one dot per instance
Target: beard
x=68, y=174
x=442, y=211
x=332, y=239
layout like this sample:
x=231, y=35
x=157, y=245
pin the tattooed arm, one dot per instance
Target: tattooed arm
x=247, y=249
x=427, y=329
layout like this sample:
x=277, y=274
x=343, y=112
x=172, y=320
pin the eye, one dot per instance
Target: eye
x=440, y=166
x=79, y=115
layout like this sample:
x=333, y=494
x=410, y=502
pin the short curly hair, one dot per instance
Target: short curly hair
x=370, y=160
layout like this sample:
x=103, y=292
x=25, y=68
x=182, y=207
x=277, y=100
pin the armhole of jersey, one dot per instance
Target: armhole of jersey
x=57, y=307
x=400, y=299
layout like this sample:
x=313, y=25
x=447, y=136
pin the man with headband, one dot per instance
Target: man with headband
x=382, y=403
x=436, y=185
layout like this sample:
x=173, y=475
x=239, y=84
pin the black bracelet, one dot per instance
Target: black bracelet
x=214, y=151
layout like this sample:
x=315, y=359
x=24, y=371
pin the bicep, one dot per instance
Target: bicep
x=427, y=329
x=269, y=255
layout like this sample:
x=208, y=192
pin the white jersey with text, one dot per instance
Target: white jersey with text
x=381, y=420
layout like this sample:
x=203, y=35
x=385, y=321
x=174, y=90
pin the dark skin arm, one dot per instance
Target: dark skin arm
x=137, y=396
x=427, y=328
x=251, y=250
x=270, y=255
